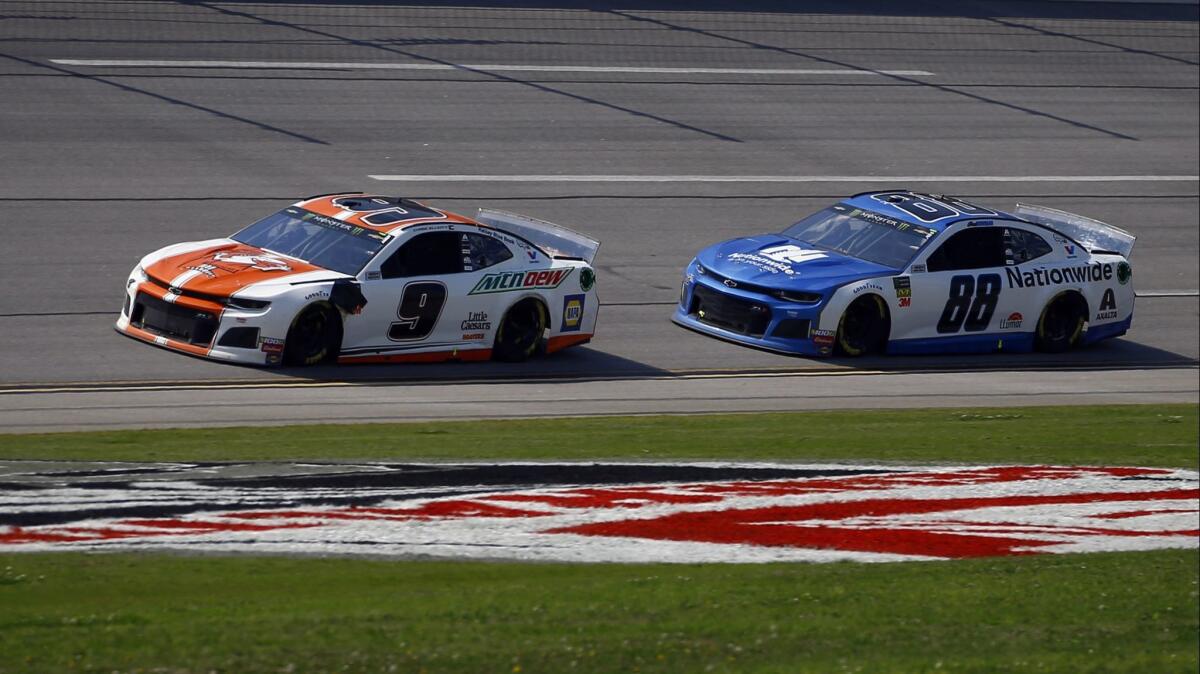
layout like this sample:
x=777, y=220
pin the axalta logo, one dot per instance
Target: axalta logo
x=516, y=280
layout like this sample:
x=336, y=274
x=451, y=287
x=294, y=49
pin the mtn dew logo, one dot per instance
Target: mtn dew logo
x=517, y=280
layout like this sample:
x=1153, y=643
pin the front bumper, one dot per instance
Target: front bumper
x=708, y=306
x=196, y=326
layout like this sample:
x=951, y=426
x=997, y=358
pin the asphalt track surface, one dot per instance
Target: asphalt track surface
x=656, y=127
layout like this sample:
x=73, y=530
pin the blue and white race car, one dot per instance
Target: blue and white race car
x=904, y=272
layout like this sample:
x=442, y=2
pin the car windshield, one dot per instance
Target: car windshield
x=863, y=234
x=314, y=238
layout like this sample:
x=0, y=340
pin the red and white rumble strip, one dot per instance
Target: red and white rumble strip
x=830, y=513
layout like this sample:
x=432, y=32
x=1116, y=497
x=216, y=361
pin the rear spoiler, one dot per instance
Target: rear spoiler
x=557, y=241
x=1092, y=234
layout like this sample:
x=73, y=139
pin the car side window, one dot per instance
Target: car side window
x=1022, y=246
x=430, y=254
x=971, y=248
x=480, y=252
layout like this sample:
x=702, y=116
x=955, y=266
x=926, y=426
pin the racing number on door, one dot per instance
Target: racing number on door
x=971, y=304
x=420, y=306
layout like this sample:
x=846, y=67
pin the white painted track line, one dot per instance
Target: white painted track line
x=493, y=67
x=775, y=179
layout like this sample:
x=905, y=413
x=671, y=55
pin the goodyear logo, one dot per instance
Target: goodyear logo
x=573, y=313
x=517, y=280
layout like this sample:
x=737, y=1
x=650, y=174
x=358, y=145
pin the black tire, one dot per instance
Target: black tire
x=315, y=336
x=520, y=333
x=1061, y=324
x=863, y=328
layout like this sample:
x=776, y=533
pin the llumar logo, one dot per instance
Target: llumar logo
x=516, y=280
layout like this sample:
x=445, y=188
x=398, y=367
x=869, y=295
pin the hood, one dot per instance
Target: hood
x=226, y=268
x=778, y=262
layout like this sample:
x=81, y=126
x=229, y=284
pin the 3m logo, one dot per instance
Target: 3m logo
x=517, y=280
x=754, y=513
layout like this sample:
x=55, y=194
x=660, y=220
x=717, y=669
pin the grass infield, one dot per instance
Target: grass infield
x=1141, y=435
x=1134, y=612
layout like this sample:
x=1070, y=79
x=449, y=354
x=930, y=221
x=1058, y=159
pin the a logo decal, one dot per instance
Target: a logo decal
x=262, y=262
x=1108, y=305
x=1124, y=272
x=1014, y=320
x=792, y=254
x=587, y=279
x=503, y=282
x=573, y=312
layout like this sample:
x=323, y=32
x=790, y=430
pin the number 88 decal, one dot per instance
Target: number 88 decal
x=420, y=306
x=971, y=305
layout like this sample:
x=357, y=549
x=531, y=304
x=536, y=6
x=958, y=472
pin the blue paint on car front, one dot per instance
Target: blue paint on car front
x=766, y=291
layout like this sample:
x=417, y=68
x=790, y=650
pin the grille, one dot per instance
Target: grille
x=208, y=297
x=740, y=285
x=792, y=328
x=241, y=338
x=728, y=312
x=171, y=320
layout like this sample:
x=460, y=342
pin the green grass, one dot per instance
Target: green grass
x=1144, y=435
x=1076, y=613
x=1124, y=612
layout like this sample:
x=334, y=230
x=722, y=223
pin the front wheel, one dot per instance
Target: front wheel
x=864, y=327
x=1061, y=324
x=520, y=332
x=314, y=336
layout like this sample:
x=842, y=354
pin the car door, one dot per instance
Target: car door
x=961, y=292
x=408, y=295
x=422, y=299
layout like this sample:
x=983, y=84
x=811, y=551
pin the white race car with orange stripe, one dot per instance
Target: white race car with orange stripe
x=361, y=278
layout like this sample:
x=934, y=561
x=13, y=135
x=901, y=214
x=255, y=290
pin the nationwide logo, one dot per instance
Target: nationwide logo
x=578, y=512
x=516, y=280
x=1088, y=273
x=1014, y=320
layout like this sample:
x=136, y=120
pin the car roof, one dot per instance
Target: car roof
x=887, y=202
x=379, y=213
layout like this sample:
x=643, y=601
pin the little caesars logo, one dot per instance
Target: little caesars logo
x=517, y=280
x=476, y=320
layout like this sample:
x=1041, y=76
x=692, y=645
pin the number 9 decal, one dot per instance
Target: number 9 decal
x=420, y=306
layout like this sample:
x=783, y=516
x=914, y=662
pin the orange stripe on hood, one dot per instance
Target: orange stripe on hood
x=224, y=269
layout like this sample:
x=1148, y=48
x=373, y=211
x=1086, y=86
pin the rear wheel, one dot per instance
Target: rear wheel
x=1061, y=323
x=315, y=336
x=864, y=327
x=520, y=333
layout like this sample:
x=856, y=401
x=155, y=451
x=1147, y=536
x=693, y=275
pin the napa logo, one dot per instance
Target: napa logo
x=517, y=280
x=573, y=313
